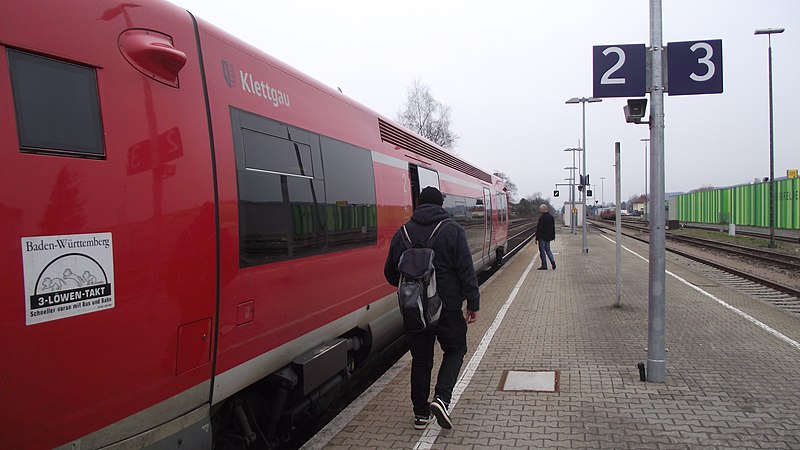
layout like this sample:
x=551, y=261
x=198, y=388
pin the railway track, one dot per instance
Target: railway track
x=765, y=289
x=519, y=234
x=740, y=232
x=769, y=257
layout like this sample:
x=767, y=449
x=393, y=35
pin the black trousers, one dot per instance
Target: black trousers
x=451, y=332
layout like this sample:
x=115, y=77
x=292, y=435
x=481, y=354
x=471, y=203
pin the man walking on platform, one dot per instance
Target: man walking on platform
x=456, y=281
x=545, y=233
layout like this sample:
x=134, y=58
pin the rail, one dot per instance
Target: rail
x=726, y=268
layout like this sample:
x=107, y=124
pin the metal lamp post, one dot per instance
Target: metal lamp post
x=571, y=196
x=769, y=32
x=646, y=198
x=583, y=101
x=573, y=219
x=571, y=185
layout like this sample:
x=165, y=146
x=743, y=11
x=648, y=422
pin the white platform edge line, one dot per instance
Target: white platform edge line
x=429, y=437
x=324, y=436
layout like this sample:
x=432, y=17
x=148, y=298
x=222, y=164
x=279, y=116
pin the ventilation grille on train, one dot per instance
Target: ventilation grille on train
x=407, y=141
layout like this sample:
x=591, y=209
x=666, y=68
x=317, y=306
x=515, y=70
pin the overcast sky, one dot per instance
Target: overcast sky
x=507, y=67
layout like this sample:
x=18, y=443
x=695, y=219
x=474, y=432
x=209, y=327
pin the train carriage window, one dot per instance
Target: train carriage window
x=284, y=156
x=57, y=106
x=469, y=214
x=279, y=217
x=427, y=178
x=350, y=195
x=501, y=208
x=300, y=194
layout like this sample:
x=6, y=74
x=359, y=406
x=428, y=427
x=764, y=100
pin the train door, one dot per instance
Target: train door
x=421, y=178
x=487, y=221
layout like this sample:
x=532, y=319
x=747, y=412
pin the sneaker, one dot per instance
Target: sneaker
x=439, y=409
x=421, y=422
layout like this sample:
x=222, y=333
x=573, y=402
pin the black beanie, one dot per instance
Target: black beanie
x=431, y=195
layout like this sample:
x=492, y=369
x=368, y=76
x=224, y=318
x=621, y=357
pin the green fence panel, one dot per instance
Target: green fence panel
x=746, y=205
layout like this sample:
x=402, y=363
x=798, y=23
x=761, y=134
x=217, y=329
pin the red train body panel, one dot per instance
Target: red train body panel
x=184, y=217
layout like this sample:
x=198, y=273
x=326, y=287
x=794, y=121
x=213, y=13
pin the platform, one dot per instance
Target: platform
x=733, y=364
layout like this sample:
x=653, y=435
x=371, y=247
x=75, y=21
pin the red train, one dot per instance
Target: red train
x=193, y=233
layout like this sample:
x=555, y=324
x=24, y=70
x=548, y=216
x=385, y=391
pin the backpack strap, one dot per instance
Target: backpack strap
x=406, y=239
x=408, y=243
x=436, y=231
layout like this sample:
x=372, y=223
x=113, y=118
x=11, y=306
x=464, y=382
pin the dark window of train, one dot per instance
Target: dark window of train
x=284, y=155
x=350, y=195
x=57, y=106
x=283, y=211
x=501, y=208
x=469, y=214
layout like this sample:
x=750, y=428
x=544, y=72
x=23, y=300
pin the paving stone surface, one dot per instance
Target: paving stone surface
x=733, y=372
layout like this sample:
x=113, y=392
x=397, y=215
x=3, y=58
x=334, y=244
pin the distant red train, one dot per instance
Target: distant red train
x=193, y=233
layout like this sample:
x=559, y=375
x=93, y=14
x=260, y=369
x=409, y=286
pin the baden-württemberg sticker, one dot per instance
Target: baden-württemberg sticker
x=67, y=275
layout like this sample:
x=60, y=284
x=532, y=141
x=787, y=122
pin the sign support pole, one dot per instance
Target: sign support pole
x=694, y=67
x=618, y=183
x=656, y=342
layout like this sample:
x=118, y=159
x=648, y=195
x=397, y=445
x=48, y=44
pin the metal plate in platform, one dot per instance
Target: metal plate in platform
x=529, y=381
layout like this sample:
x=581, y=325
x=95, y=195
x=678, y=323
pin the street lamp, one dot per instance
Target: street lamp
x=573, y=219
x=572, y=196
x=769, y=32
x=646, y=198
x=583, y=101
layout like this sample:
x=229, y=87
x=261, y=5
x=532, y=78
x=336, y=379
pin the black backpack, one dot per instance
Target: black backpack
x=420, y=304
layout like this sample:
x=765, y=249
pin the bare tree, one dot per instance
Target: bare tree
x=537, y=199
x=427, y=117
x=529, y=206
x=511, y=187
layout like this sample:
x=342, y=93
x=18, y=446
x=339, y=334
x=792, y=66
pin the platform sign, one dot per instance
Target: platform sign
x=619, y=70
x=694, y=67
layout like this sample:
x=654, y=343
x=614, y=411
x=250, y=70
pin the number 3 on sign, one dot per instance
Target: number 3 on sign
x=694, y=67
x=706, y=60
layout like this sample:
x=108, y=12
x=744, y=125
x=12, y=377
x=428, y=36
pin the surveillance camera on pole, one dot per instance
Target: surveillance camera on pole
x=635, y=110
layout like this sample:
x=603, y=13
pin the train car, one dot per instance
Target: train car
x=746, y=205
x=193, y=233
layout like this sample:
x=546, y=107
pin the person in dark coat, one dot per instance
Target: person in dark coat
x=455, y=281
x=545, y=233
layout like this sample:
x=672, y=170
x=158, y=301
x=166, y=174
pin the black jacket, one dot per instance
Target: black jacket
x=546, y=227
x=455, y=275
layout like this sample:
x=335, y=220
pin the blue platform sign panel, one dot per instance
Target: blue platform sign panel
x=694, y=67
x=619, y=70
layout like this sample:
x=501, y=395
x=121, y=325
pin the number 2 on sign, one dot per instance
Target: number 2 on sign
x=704, y=60
x=606, y=78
